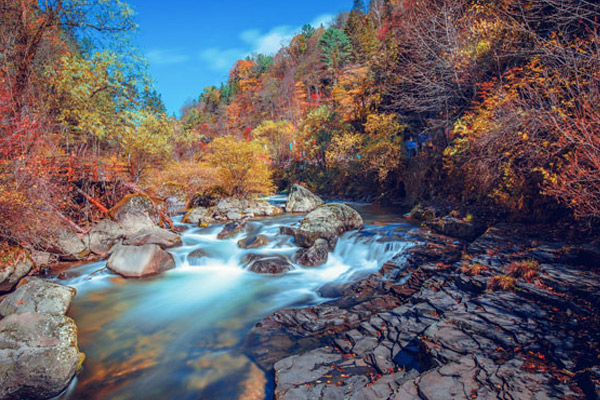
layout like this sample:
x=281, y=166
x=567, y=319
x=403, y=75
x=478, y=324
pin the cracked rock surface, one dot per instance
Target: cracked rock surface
x=437, y=323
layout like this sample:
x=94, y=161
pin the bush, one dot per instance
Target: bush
x=242, y=167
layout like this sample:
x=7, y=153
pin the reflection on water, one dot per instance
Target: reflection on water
x=177, y=336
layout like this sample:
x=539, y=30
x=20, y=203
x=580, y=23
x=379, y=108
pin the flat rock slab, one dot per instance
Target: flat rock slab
x=38, y=296
x=140, y=261
x=38, y=355
x=155, y=235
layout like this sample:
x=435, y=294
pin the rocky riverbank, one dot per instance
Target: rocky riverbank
x=508, y=315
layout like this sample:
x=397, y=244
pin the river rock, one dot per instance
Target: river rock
x=301, y=200
x=461, y=228
x=155, y=235
x=38, y=355
x=253, y=242
x=287, y=231
x=103, y=236
x=235, y=208
x=135, y=212
x=268, y=264
x=197, y=254
x=140, y=261
x=38, y=296
x=315, y=255
x=12, y=273
x=327, y=222
x=198, y=216
x=231, y=229
x=67, y=245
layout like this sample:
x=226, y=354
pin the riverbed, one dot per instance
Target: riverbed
x=180, y=335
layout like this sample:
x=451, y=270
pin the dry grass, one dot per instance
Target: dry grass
x=501, y=282
x=527, y=270
x=474, y=269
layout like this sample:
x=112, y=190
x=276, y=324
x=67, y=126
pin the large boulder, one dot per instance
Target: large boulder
x=233, y=208
x=103, y=236
x=198, y=216
x=11, y=273
x=272, y=265
x=253, y=242
x=302, y=200
x=68, y=246
x=140, y=261
x=154, y=235
x=38, y=296
x=327, y=222
x=231, y=229
x=315, y=255
x=38, y=355
x=135, y=212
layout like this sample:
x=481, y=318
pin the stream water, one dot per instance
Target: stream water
x=178, y=335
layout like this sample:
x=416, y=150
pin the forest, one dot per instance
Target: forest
x=482, y=102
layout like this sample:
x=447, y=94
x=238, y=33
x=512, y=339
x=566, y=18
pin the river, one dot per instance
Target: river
x=179, y=335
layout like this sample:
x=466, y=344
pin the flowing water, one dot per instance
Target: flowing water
x=178, y=335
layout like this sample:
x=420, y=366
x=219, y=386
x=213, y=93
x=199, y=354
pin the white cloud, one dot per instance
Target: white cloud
x=325, y=19
x=270, y=42
x=166, y=57
x=220, y=60
x=257, y=42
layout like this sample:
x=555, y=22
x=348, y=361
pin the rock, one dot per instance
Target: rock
x=287, y=230
x=103, y=236
x=155, y=235
x=268, y=264
x=461, y=228
x=327, y=222
x=38, y=355
x=231, y=229
x=140, y=261
x=315, y=255
x=198, y=216
x=12, y=273
x=42, y=259
x=301, y=200
x=135, y=212
x=68, y=246
x=425, y=213
x=253, y=242
x=235, y=208
x=197, y=254
x=38, y=296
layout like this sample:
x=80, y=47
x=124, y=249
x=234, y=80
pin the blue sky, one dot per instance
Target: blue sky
x=193, y=44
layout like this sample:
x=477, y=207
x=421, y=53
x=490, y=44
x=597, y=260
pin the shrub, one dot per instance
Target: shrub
x=501, y=282
x=526, y=270
x=242, y=167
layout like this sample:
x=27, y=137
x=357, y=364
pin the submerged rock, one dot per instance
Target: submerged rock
x=155, y=235
x=301, y=200
x=327, y=222
x=253, y=242
x=315, y=255
x=12, y=273
x=38, y=296
x=38, y=355
x=103, y=236
x=231, y=229
x=287, y=231
x=268, y=264
x=140, y=261
x=135, y=212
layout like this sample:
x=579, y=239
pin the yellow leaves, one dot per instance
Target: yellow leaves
x=242, y=166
